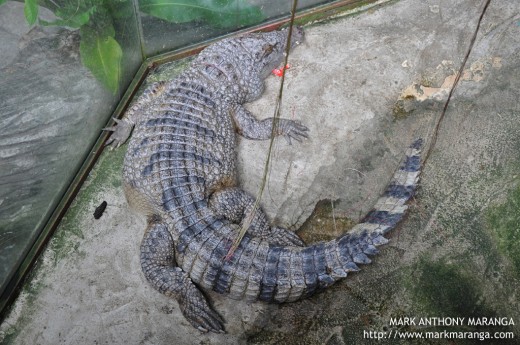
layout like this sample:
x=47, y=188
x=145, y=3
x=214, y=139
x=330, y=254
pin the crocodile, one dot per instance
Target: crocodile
x=180, y=170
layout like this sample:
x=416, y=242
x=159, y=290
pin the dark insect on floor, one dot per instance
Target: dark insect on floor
x=100, y=210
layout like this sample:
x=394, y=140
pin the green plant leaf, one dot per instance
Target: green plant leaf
x=236, y=13
x=75, y=21
x=219, y=13
x=121, y=9
x=101, y=54
x=2, y=1
x=176, y=11
x=30, y=10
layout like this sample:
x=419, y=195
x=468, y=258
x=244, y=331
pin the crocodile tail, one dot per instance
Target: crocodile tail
x=292, y=273
x=262, y=271
x=390, y=207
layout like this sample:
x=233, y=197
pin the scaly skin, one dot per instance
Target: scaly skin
x=180, y=171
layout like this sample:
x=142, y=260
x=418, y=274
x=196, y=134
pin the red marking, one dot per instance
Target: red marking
x=229, y=256
x=279, y=71
x=230, y=252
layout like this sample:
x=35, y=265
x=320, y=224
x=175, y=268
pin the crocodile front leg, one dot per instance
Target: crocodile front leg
x=249, y=127
x=238, y=207
x=158, y=264
x=123, y=128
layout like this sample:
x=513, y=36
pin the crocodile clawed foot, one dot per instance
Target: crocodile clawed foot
x=284, y=237
x=121, y=131
x=200, y=315
x=293, y=130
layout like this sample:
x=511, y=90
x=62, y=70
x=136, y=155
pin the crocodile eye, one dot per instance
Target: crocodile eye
x=268, y=49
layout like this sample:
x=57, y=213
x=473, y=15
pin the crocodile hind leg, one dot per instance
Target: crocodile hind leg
x=158, y=264
x=239, y=207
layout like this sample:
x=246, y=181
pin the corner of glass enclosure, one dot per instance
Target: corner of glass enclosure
x=64, y=67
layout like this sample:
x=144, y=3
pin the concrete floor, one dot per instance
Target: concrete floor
x=365, y=85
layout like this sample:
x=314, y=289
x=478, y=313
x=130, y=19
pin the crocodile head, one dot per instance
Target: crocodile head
x=268, y=49
x=240, y=64
x=260, y=53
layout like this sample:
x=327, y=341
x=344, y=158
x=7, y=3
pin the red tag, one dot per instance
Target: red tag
x=279, y=71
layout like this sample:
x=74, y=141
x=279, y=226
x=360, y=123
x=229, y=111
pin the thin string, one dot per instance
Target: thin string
x=455, y=82
x=276, y=119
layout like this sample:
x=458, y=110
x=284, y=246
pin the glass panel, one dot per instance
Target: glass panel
x=63, y=67
x=169, y=25
x=274, y=8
